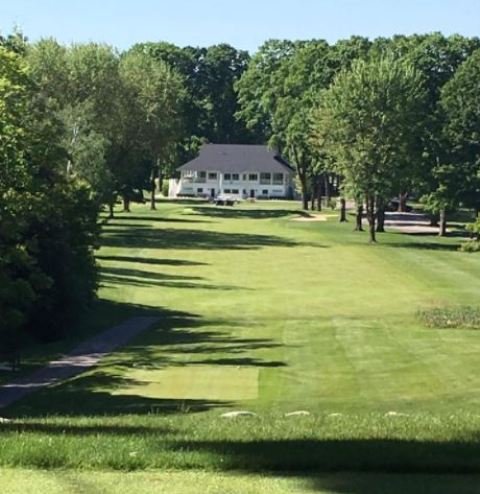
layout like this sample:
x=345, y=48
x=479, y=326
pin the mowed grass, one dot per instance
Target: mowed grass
x=262, y=313
x=68, y=482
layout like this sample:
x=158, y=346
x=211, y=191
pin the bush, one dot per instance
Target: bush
x=462, y=317
x=164, y=190
x=470, y=246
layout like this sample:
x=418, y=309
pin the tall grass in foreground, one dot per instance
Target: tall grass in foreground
x=329, y=442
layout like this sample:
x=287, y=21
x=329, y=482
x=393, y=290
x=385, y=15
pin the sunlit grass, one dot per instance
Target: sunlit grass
x=261, y=313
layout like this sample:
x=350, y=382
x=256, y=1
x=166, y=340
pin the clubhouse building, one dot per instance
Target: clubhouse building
x=240, y=171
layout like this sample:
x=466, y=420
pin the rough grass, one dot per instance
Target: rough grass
x=270, y=442
x=308, y=315
x=465, y=317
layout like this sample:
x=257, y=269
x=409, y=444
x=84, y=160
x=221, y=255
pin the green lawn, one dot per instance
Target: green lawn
x=70, y=482
x=262, y=313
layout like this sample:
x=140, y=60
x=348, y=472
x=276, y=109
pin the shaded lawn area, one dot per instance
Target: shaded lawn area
x=272, y=316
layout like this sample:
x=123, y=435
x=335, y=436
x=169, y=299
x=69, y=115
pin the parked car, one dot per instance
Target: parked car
x=223, y=200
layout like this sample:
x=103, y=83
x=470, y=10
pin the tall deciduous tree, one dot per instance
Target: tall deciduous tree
x=155, y=93
x=370, y=116
x=460, y=104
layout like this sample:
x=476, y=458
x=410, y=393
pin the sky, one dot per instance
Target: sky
x=245, y=24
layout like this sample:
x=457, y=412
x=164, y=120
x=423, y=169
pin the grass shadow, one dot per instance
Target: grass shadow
x=140, y=238
x=232, y=212
x=150, y=261
x=99, y=392
x=359, y=455
x=383, y=483
x=438, y=246
x=151, y=219
x=134, y=277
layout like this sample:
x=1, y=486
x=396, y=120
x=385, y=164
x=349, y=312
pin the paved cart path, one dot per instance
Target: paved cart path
x=86, y=355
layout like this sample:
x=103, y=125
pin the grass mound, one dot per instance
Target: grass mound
x=461, y=317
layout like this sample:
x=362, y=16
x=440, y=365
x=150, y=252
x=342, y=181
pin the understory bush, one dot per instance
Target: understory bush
x=470, y=246
x=463, y=317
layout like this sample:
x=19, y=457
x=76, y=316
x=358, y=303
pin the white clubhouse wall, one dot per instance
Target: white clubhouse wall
x=189, y=184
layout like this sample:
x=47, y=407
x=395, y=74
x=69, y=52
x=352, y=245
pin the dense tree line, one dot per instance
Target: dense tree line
x=385, y=118
x=48, y=222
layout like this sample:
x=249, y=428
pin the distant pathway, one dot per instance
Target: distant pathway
x=410, y=223
x=86, y=355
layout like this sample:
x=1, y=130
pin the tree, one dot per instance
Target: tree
x=48, y=221
x=256, y=89
x=81, y=86
x=209, y=76
x=276, y=94
x=19, y=277
x=437, y=58
x=155, y=93
x=461, y=132
x=370, y=114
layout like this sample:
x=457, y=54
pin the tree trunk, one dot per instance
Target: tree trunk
x=160, y=181
x=126, y=204
x=153, y=204
x=302, y=175
x=305, y=201
x=154, y=172
x=380, y=216
x=433, y=219
x=402, y=202
x=326, y=183
x=111, y=205
x=442, y=226
x=313, y=197
x=319, y=196
x=303, y=184
x=359, y=218
x=343, y=210
x=371, y=217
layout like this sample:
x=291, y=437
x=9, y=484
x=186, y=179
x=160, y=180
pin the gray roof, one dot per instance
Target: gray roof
x=237, y=158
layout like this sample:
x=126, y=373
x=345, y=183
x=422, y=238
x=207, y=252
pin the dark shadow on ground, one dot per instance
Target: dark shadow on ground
x=188, y=335
x=240, y=361
x=451, y=234
x=152, y=260
x=76, y=429
x=177, y=333
x=79, y=401
x=184, y=202
x=359, y=455
x=423, y=245
x=141, y=238
x=151, y=219
x=384, y=483
x=150, y=275
x=234, y=212
x=135, y=277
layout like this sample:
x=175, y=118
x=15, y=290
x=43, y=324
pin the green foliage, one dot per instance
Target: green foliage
x=470, y=246
x=454, y=317
x=459, y=102
x=164, y=190
x=209, y=75
x=368, y=122
x=154, y=95
x=47, y=221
